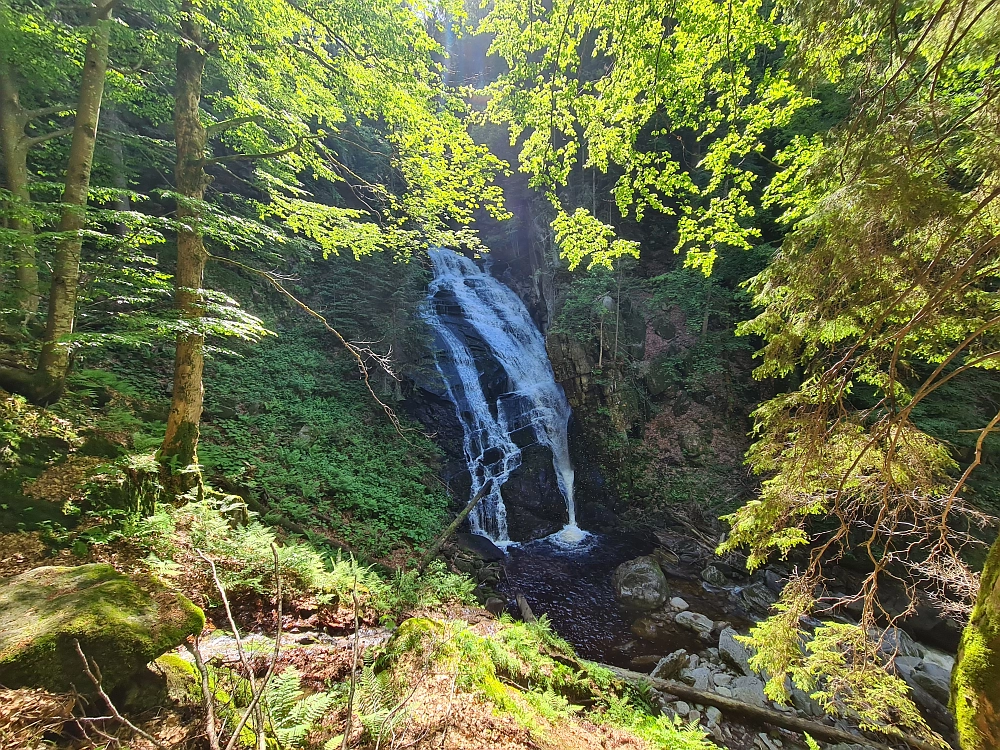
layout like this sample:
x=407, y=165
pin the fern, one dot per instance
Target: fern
x=378, y=704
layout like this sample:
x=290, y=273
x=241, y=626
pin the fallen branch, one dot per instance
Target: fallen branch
x=436, y=547
x=766, y=715
x=95, y=679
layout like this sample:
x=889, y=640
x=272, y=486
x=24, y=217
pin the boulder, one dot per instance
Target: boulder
x=640, y=584
x=757, y=598
x=749, y=690
x=670, y=665
x=713, y=575
x=699, y=678
x=695, y=622
x=734, y=653
x=480, y=546
x=121, y=622
x=804, y=704
x=679, y=604
x=895, y=642
x=934, y=680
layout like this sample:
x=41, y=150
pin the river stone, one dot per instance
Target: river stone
x=640, y=584
x=804, y=704
x=679, y=604
x=714, y=575
x=724, y=691
x=699, y=678
x=722, y=678
x=480, y=546
x=734, y=653
x=647, y=629
x=757, y=597
x=713, y=715
x=670, y=665
x=121, y=622
x=749, y=690
x=695, y=622
x=895, y=642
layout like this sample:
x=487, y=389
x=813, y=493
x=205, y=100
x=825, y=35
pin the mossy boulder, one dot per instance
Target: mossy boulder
x=121, y=622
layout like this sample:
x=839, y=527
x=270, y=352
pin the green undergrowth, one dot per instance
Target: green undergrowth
x=175, y=538
x=526, y=671
x=291, y=426
x=288, y=426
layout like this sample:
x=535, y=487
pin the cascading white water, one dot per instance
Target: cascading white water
x=534, y=400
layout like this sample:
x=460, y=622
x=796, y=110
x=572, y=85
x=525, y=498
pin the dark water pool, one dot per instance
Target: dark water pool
x=573, y=588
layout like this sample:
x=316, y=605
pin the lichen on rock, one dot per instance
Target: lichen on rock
x=121, y=622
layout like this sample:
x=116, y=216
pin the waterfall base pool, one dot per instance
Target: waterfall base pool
x=572, y=586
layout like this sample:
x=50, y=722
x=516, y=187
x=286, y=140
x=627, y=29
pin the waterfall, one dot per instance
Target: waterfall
x=462, y=293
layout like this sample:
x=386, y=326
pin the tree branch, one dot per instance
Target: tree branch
x=269, y=155
x=34, y=114
x=223, y=125
x=31, y=142
x=766, y=715
x=347, y=344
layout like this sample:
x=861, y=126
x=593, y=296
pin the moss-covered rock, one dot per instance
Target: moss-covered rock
x=121, y=622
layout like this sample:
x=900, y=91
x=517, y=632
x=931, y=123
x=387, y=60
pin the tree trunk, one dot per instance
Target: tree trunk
x=13, y=120
x=975, y=681
x=53, y=363
x=180, y=446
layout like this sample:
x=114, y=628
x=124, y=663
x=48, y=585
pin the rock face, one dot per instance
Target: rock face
x=640, y=584
x=121, y=623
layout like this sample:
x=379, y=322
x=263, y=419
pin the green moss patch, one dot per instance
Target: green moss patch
x=121, y=622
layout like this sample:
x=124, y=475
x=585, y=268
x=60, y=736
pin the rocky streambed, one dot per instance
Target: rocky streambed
x=662, y=603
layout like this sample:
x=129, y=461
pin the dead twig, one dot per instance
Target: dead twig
x=94, y=675
x=354, y=666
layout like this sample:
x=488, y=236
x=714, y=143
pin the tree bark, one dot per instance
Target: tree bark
x=975, y=680
x=53, y=363
x=13, y=120
x=179, y=451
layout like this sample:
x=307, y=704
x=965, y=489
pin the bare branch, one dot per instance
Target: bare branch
x=206, y=694
x=34, y=114
x=346, y=344
x=96, y=681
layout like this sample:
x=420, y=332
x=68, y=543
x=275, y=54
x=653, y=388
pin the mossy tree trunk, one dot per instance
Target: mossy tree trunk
x=180, y=445
x=975, y=681
x=13, y=120
x=53, y=363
